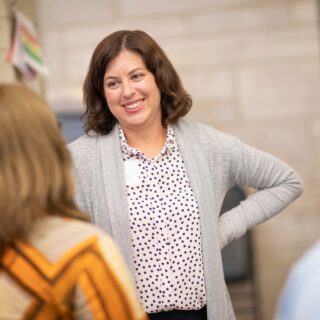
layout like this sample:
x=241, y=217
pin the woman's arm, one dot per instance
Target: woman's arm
x=276, y=183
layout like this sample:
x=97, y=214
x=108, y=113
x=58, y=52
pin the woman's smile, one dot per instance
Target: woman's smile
x=134, y=106
x=131, y=92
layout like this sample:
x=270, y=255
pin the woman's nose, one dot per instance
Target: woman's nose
x=128, y=89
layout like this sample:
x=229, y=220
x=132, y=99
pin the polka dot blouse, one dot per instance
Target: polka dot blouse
x=165, y=229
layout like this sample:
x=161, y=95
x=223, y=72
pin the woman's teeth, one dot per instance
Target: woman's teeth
x=134, y=105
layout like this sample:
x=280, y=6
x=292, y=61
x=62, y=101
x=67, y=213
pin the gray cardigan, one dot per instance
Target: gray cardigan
x=215, y=162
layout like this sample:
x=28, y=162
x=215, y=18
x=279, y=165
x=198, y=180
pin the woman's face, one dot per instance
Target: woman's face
x=131, y=92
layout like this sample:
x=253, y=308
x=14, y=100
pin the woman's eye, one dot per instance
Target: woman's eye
x=112, y=84
x=137, y=76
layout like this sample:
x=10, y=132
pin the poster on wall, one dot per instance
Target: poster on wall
x=25, y=52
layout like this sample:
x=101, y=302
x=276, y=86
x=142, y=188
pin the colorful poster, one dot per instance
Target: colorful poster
x=25, y=52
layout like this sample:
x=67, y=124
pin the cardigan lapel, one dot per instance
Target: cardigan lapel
x=201, y=179
x=198, y=168
x=114, y=201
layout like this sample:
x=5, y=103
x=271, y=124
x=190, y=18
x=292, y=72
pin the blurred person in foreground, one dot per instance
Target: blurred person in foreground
x=157, y=182
x=53, y=264
x=299, y=299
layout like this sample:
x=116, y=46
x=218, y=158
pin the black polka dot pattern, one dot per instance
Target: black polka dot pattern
x=165, y=229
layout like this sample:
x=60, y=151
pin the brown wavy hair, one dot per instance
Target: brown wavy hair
x=35, y=166
x=175, y=101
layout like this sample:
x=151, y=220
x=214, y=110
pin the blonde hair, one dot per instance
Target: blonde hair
x=35, y=166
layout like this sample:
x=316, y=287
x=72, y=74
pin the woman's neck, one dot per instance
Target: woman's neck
x=150, y=142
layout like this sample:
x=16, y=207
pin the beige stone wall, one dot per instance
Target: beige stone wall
x=252, y=67
x=6, y=71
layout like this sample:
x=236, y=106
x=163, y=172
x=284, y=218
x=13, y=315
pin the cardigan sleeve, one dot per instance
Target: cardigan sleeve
x=277, y=185
x=81, y=154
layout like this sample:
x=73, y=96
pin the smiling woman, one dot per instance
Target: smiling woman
x=175, y=102
x=134, y=100
x=156, y=183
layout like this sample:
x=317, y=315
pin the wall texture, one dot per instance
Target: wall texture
x=252, y=67
x=6, y=71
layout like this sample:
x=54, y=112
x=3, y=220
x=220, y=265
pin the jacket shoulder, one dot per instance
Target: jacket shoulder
x=81, y=144
x=82, y=148
x=209, y=136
